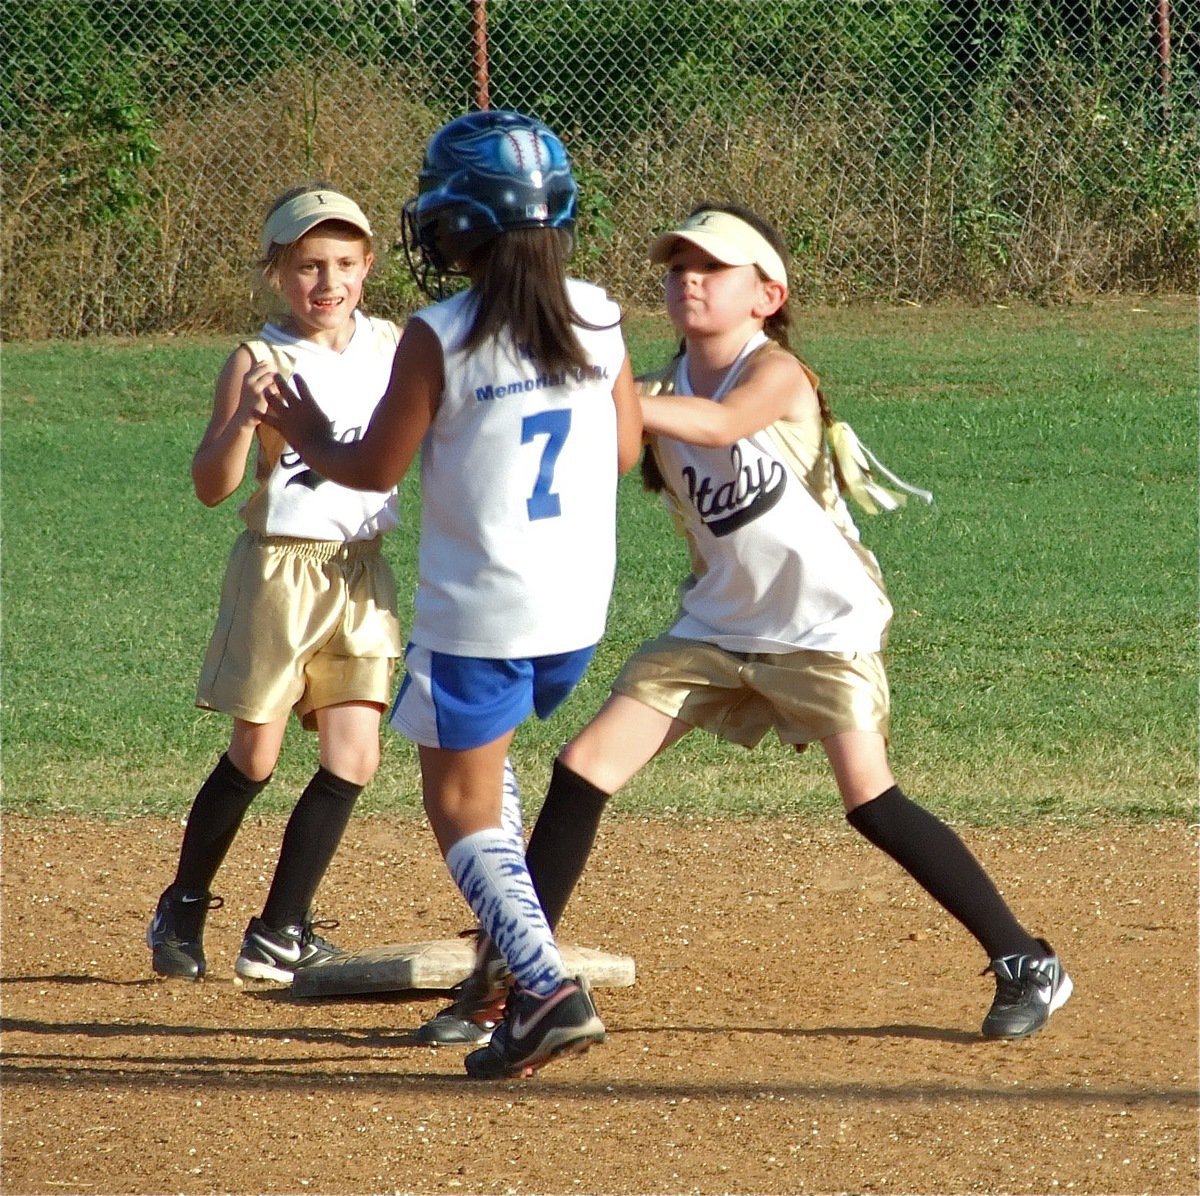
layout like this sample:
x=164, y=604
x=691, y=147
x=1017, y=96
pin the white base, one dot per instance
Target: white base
x=438, y=966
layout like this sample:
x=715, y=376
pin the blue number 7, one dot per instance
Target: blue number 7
x=554, y=425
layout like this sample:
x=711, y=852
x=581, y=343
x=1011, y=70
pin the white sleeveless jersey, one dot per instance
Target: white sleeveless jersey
x=293, y=500
x=777, y=564
x=518, y=480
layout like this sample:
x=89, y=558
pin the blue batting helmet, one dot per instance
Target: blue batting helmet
x=484, y=174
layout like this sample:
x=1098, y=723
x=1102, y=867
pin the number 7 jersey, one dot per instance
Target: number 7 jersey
x=518, y=491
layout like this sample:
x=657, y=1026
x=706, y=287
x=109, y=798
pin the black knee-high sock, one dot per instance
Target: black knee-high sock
x=212, y=824
x=310, y=842
x=562, y=838
x=940, y=862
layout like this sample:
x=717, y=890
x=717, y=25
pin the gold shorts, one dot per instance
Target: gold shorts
x=805, y=696
x=302, y=624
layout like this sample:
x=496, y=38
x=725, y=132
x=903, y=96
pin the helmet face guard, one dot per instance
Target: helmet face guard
x=484, y=174
x=431, y=281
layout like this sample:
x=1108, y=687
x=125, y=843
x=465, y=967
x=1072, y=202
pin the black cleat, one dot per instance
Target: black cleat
x=1029, y=988
x=269, y=954
x=176, y=932
x=536, y=1030
x=477, y=1009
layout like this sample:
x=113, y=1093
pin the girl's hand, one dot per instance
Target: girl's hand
x=294, y=414
x=380, y=458
x=252, y=400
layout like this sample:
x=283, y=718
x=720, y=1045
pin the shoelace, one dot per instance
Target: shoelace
x=1010, y=992
x=1010, y=989
x=309, y=937
x=478, y=998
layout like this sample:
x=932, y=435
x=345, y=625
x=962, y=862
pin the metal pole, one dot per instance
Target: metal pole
x=1162, y=37
x=479, y=36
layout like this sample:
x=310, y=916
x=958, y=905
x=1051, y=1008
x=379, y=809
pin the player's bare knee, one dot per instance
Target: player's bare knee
x=586, y=762
x=254, y=762
x=356, y=763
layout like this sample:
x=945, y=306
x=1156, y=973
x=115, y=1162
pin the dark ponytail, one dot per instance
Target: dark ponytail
x=520, y=279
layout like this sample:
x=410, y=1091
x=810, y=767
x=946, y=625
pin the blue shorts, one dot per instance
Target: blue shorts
x=463, y=702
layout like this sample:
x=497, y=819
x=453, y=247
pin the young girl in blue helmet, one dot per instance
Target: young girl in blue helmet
x=519, y=395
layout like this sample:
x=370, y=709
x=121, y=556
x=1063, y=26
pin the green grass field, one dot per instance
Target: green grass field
x=1043, y=654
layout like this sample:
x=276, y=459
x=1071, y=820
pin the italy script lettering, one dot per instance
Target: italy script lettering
x=752, y=491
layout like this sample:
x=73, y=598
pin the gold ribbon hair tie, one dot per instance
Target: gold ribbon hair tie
x=856, y=468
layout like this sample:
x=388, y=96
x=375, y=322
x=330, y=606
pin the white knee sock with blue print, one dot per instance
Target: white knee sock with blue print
x=510, y=809
x=489, y=869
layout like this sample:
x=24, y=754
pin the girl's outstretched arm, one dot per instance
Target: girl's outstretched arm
x=771, y=388
x=629, y=419
x=381, y=458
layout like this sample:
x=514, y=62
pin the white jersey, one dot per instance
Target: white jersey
x=777, y=563
x=518, y=480
x=293, y=500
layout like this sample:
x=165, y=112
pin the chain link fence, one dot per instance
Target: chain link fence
x=908, y=149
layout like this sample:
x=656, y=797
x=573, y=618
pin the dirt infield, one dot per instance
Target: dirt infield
x=805, y=1020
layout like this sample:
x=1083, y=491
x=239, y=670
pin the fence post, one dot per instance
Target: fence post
x=1162, y=39
x=480, y=54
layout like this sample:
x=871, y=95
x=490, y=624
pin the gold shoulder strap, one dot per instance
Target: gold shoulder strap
x=387, y=334
x=261, y=351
